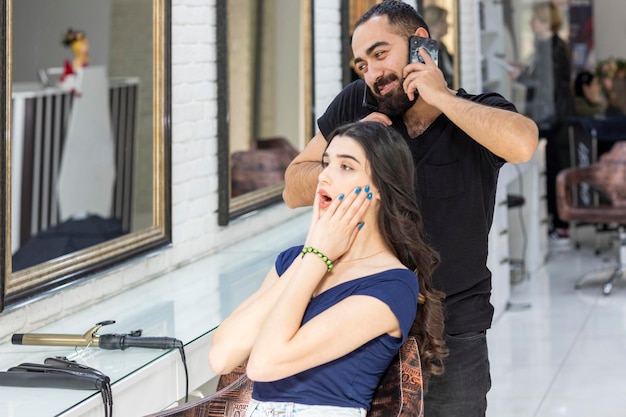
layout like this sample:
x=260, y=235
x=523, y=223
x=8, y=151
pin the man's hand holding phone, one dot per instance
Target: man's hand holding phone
x=422, y=75
x=430, y=45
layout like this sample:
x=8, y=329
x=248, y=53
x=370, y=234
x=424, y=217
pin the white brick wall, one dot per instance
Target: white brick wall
x=194, y=165
x=469, y=47
x=327, y=22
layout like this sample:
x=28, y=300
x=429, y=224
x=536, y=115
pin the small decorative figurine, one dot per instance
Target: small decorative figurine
x=77, y=41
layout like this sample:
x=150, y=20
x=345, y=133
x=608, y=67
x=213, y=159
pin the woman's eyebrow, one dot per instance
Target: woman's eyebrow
x=341, y=155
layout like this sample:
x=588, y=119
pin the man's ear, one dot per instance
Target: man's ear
x=420, y=31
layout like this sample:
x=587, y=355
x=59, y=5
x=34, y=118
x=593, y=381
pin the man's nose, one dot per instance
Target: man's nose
x=374, y=73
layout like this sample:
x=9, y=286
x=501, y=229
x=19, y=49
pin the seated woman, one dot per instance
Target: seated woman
x=588, y=99
x=330, y=316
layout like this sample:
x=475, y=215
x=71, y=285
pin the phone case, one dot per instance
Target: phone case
x=431, y=45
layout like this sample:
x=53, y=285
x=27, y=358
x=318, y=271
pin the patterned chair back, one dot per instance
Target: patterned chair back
x=399, y=393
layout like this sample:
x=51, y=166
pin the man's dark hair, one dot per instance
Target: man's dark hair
x=402, y=17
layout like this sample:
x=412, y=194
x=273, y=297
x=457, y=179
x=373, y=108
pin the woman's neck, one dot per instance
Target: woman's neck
x=367, y=244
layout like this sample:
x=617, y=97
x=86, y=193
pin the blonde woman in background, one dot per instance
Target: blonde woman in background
x=549, y=99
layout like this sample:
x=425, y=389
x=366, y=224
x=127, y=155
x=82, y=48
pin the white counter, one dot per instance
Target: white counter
x=186, y=304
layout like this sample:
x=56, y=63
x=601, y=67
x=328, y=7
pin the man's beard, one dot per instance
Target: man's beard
x=394, y=103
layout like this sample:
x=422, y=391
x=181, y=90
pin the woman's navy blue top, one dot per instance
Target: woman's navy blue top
x=348, y=381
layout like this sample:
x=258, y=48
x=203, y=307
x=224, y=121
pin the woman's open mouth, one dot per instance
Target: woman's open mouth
x=325, y=200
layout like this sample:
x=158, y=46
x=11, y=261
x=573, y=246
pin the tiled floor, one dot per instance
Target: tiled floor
x=558, y=351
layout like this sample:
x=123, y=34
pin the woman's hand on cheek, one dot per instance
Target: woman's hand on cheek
x=338, y=226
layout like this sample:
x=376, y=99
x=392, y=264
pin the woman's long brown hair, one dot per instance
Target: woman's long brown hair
x=400, y=223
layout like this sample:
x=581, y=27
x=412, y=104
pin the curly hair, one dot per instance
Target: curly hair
x=400, y=223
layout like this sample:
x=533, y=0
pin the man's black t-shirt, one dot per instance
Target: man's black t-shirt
x=455, y=188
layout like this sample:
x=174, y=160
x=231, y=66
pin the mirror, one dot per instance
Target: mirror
x=86, y=167
x=441, y=16
x=442, y=19
x=265, y=92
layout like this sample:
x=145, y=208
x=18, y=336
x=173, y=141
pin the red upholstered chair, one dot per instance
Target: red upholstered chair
x=608, y=176
x=399, y=393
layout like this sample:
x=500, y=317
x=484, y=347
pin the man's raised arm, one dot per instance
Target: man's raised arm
x=301, y=174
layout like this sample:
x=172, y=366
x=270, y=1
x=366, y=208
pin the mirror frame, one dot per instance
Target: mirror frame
x=17, y=287
x=230, y=208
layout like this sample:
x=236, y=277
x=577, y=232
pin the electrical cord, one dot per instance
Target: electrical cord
x=105, y=390
x=181, y=349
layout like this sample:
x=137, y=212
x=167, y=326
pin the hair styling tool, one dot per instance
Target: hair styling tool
x=105, y=341
x=62, y=373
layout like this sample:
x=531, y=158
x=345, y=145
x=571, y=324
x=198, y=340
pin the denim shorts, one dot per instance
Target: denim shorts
x=283, y=409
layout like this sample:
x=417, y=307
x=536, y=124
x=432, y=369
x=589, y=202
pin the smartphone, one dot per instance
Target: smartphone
x=431, y=45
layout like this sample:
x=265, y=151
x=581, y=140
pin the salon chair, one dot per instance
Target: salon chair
x=263, y=165
x=399, y=393
x=590, y=138
x=607, y=177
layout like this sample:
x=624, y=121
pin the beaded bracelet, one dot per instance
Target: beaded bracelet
x=323, y=257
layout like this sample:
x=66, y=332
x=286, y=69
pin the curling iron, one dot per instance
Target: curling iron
x=93, y=339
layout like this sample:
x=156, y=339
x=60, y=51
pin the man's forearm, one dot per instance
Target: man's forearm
x=508, y=134
x=300, y=183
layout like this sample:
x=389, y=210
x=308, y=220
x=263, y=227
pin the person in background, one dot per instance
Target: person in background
x=550, y=99
x=459, y=142
x=331, y=315
x=588, y=100
x=437, y=20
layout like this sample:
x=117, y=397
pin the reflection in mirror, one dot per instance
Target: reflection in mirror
x=269, y=96
x=441, y=18
x=88, y=137
x=351, y=11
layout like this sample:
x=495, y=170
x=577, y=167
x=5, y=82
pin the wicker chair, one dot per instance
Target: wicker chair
x=399, y=393
x=608, y=176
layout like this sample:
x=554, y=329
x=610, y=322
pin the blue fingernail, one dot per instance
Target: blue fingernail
x=341, y=197
x=361, y=225
x=367, y=188
x=358, y=190
x=369, y=196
